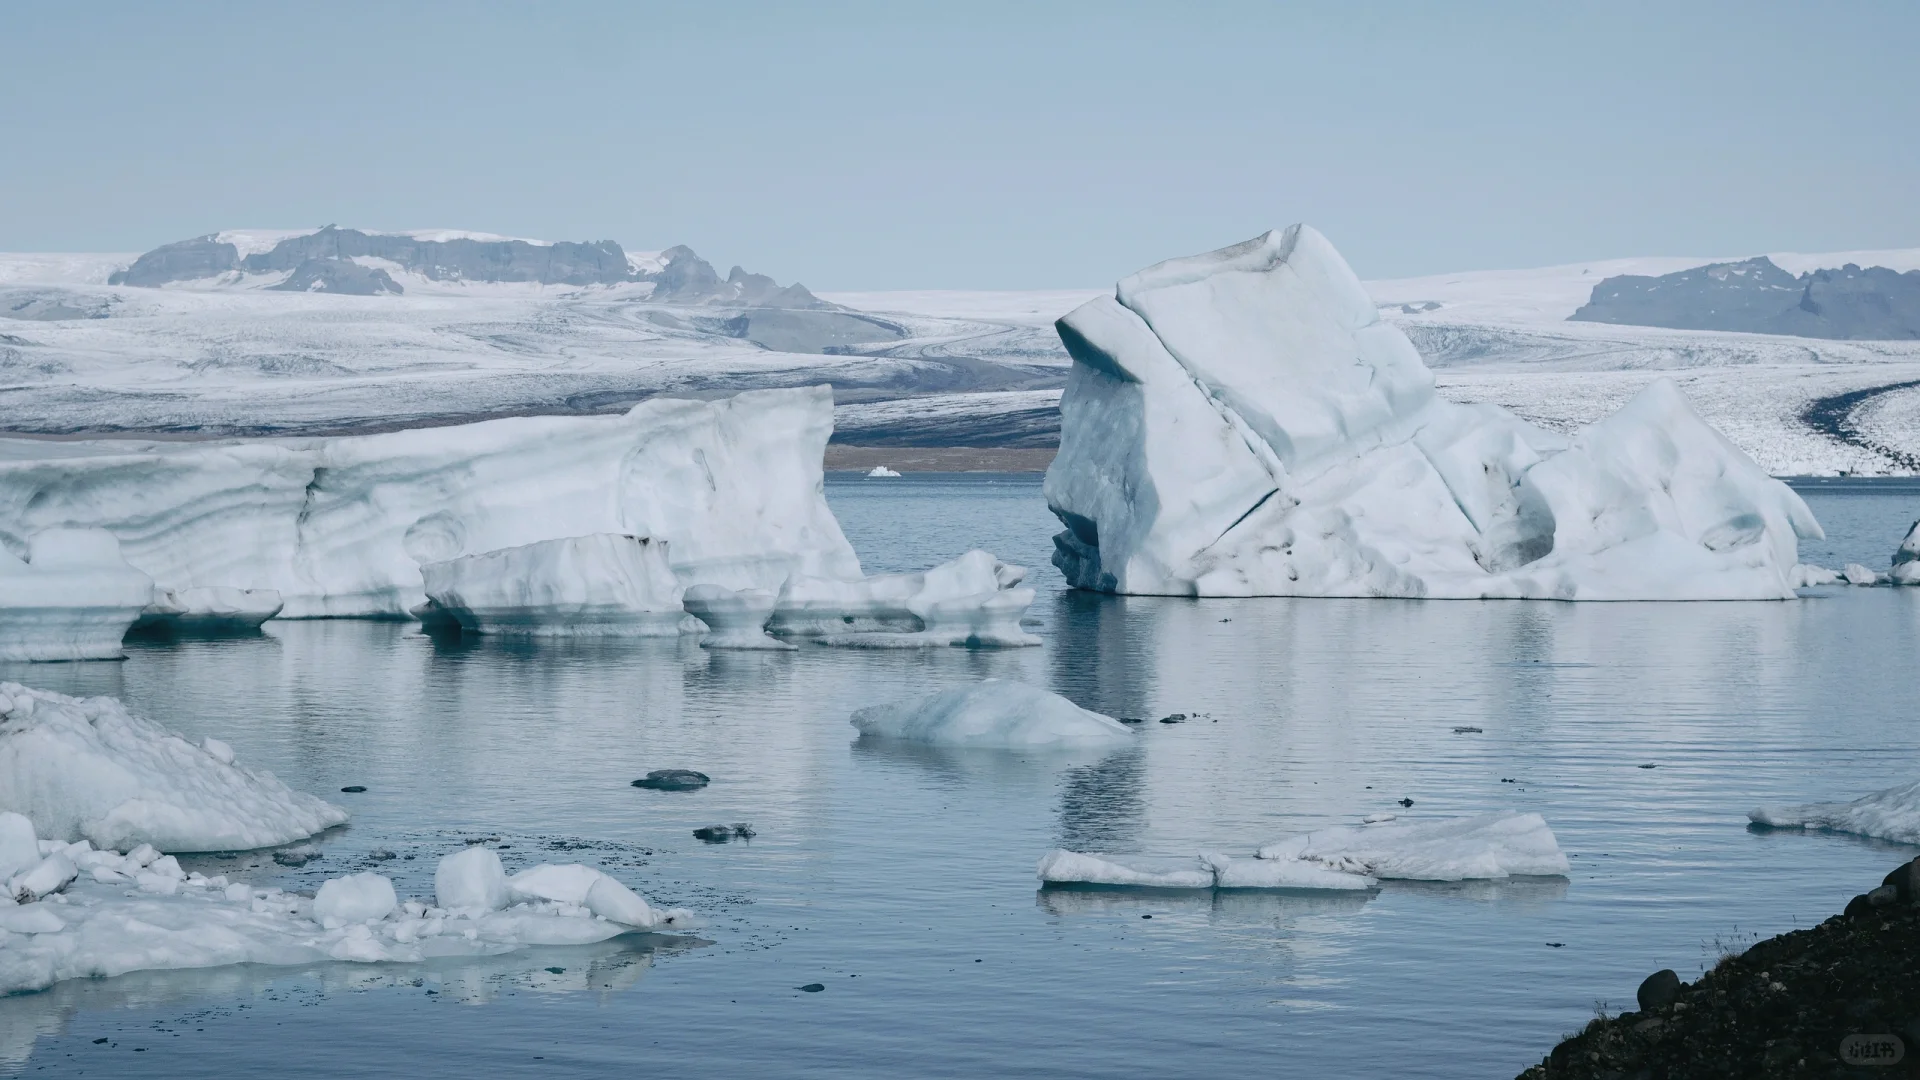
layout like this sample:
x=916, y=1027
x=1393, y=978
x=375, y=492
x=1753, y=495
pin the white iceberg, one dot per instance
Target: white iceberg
x=603, y=585
x=1855, y=574
x=73, y=597
x=209, y=609
x=882, y=471
x=119, y=913
x=735, y=618
x=1906, y=559
x=1804, y=575
x=1490, y=847
x=1242, y=423
x=992, y=713
x=87, y=769
x=1893, y=814
x=974, y=600
x=340, y=526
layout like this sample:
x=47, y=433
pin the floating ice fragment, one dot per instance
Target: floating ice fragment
x=471, y=879
x=975, y=600
x=882, y=471
x=603, y=585
x=735, y=619
x=1892, y=814
x=992, y=713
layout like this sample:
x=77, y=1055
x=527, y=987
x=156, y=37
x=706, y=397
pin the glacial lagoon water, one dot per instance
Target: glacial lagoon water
x=902, y=880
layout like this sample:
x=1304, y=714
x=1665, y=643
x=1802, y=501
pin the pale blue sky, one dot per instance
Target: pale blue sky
x=979, y=145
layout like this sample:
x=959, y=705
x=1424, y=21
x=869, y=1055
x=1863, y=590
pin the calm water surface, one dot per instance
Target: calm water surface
x=903, y=880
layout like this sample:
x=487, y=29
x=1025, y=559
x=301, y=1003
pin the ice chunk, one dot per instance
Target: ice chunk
x=1487, y=847
x=471, y=879
x=882, y=471
x=1242, y=423
x=565, y=883
x=1906, y=559
x=992, y=713
x=615, y=902
x=1231, y=873
x=19, y=846
x=736, y=619
x=1062, y=867
x=44, y=878
x=1806, y=574
x=603, y=585
x=1893, y=814
x=210, y=609
x=1855, y=574
x=356, y=898
x=975, y=600
x=339, y=526
x=73, y=598
x=89, y=769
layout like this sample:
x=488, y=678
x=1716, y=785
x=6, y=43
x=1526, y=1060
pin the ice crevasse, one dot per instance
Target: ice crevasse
x=1243, y=423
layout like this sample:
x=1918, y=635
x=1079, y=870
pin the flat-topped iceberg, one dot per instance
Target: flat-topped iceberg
x=1893, y=814
x=115, y=913
x=1489, y=847
x=992, y=713
x=72, y=598
x=1242, y=423
x=210, y=609
x=341, y=526
x=974, y=600
x=87, y=769
x=603, y=585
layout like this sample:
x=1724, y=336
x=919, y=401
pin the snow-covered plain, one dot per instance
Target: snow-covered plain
x=975, y=368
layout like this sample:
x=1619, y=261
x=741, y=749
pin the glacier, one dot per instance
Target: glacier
x=993, y=713
x=104, y=913
x=1243, y=423
x=341, y=526
x=88, y=769
x=1486, y=847
x=72, y=598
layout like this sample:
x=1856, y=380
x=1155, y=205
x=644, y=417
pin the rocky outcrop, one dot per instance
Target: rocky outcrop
x=339, y=276
x=1756, y=296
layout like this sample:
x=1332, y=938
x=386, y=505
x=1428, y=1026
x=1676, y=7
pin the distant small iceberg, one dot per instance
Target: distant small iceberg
x=881, y=470
x=1893, y=814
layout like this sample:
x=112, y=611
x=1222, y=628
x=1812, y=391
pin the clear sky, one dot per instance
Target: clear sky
x=979, y=144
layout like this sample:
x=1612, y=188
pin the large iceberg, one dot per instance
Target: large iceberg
x=72, y=598
x=1488, y=847
x=992, y=713
x=1893, y=814
x=974, y=600
x=110, y=913
x=87, y=769
x=604, y=585
x=341, y=526
x=1242, y=423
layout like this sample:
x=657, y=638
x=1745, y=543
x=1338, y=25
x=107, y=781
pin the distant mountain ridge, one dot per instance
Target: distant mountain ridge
x=1757, y=296
x=357, y=263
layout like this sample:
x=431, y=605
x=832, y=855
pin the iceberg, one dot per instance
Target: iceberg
x=992, y=713
x=1893, y=814
x=735, y=619
x=975, y=600
x=1906, y=559
x=72, y=598
x=210, y=609
x=1490, y=847
x=87, y=769
x=341, y=526
x=116, y=913
x=603, y=585
x=881, y=471
x=1242, y=423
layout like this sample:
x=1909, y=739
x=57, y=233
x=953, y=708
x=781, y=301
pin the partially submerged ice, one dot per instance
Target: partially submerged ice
x=209, y=609
x=1906, y=559
x=72, y=598
x=1893, y=814
x=1488, y=847
x=341, y=526
x=993, y=713
x=974, y=600
x=734, y=618
x=87, y=769
x=1242, y=423
x=82, y=912
x=603, y=585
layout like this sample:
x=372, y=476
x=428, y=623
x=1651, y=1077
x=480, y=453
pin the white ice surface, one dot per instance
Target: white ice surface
x=130, y=913
x=603, y=585
x=212, y=607
x=735, y=619
x=1242, y=423
x=87, y=769
x=72, y=598
x=339, y=526
x=974, y=600
x=1893, y=814
x=1906, y=559
x=882, y=471
x=992, y=713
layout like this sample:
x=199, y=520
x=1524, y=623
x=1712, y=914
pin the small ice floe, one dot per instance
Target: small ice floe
x=881, y=470
x=735, y=619
x=1855, y=574
x=77, y=912
x=601, y=585
x=72, y=598
x=992, y=713
x=975, y=600
x=87, y=769
x=1489, y=847
x=1806, y=575
x=1893, y=814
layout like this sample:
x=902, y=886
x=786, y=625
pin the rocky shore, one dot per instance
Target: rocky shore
x=1840, y=999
